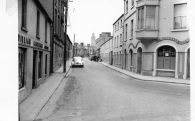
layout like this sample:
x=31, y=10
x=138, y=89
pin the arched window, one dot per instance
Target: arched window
x=166, y=57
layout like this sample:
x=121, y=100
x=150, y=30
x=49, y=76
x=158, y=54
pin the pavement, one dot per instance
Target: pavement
x=148, y=78
x=35, y=102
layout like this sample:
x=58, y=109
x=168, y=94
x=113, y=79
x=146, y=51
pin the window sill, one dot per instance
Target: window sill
x=24, y=29
x=37, y=36
x=179, y=30
x=132, y=7
x=131, y=38
x=45, y=41
x=21, y=89
x=165, y=70
x=126, y=12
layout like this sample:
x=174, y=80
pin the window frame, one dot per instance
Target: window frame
x=24, y=16
x=45, y=30
x=132, y=28
x=38, y=25
x=179, y=16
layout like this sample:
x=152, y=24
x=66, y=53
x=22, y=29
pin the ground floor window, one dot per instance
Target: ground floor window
x=21, y=66
x=166, y=57
x=40, y=64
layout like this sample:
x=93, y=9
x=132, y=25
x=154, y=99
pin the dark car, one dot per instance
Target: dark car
x=93, y=58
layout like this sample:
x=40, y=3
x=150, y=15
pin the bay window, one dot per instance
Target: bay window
x=150, y=17
x=140, y=18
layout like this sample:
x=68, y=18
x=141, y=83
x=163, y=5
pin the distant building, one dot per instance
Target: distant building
x=93, y=40
x=103, y=37
x=80, y=50
x=118, y=41
x=106, y=51
x=34, y=29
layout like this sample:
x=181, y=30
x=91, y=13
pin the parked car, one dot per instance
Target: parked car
x=93, y=58
x=77, y=61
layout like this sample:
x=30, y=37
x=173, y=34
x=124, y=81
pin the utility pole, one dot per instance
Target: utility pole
x=65, y=26
x=73, y=45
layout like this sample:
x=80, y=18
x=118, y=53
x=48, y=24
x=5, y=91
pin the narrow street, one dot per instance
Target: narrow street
x=98, y=93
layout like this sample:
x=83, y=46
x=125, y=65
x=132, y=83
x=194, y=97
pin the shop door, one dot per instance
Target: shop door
x=188, y=64
x=34, y=68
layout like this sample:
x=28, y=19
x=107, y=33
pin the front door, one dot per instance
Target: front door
x=139, y=60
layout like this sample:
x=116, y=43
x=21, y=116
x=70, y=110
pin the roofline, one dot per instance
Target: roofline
x=43, y=9
x=118, y=19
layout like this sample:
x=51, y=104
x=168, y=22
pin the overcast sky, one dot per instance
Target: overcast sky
x=88, y=16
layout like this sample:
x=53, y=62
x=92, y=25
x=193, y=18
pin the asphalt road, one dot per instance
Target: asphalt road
x=98, y=93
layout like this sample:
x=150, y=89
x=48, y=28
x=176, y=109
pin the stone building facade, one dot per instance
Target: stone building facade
x=156, y=38
x=34, y=25
x=118, y=41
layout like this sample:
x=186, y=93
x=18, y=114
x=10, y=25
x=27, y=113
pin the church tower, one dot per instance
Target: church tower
x=93, y=39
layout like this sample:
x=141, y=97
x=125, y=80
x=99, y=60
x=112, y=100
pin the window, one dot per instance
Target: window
x=132, y=3
x=121, y=23
x=117, y=41
x=150, y=17
x=40, y=65
x=126, y=31
x=115, y=28
x=24, y=14
x=46, y=64
x=180, y=16
x=21, y=67
x=118, y=25
x=140, y=18
x=131, y=28
x=38, y=22
x=166, y=57
x=46, y=31
x=120, y=38
x=126, y=6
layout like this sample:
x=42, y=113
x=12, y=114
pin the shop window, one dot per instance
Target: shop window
x=21, y=67
x=166, y=58
x=40, y=64
x=180, y=16
x=150, y=17
x=140, y=18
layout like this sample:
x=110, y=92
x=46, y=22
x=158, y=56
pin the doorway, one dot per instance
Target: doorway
x=139, y=60
x=34, y=69
x=188, y=64
x=125, y=58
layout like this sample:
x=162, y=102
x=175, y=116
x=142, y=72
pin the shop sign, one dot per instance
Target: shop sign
x=24, y=40
x=36, y=44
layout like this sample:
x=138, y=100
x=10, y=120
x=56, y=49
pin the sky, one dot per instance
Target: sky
x=88, y=16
